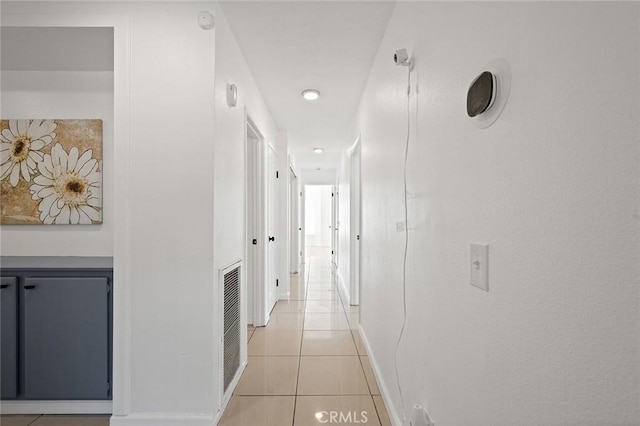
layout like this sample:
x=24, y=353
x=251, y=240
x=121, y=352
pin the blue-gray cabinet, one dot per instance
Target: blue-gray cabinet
x=8, y=338
x=65, y=338
x=61, y=334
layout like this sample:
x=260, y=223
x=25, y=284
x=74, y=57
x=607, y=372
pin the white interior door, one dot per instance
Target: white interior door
x=294, y=226
x=355, y=227
x=273, y=238
x=335, y=225
x=303, y=224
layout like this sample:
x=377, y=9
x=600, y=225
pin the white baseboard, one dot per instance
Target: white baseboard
x=382, y=385
x=162, y=419
x=342, y=287
x=56, y=407
x=232, y=387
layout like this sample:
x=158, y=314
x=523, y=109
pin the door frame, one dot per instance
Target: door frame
x=273, y=217
x=294, y=222
x=256, y=225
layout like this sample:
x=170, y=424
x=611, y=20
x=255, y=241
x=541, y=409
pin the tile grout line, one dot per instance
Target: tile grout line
x=35, y=420
x=375, y=407
x=304, y=315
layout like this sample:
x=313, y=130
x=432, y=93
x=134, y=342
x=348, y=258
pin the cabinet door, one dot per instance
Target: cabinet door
x=65, y=337
x=8, y=338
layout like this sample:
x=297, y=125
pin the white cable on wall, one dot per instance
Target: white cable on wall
x=406, y=244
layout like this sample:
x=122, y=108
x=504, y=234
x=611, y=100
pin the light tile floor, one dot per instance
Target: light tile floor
x=308, y=363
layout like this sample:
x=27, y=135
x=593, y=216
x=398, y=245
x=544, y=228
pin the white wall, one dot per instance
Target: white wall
x=553, y=187
x=318, y=177
x=344, y=231
x=231, y=67
x=60, y=95
x=165, y=340
x=229, y=192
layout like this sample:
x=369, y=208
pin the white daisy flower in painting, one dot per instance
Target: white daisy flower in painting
x=69, y=187
x=20, y=147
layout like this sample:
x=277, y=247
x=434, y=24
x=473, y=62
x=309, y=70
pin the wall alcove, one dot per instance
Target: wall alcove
x=61, y=73
x=73, y=67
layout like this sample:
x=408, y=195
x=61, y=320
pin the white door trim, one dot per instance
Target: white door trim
x=256, y=224
x=293, y=248
x=273, y=228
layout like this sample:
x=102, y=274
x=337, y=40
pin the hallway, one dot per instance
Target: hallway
x=308, y=366
x=483, y=164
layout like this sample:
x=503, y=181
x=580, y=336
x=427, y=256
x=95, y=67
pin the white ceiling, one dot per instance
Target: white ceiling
x=295, y=45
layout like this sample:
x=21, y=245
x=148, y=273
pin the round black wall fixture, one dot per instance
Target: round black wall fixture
x=481, y=94
x=490, y=89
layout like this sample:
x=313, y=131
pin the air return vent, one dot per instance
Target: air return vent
x=230, y=323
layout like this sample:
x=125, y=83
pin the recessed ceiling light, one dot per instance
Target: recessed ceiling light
x=311, y=94
x=318, y=150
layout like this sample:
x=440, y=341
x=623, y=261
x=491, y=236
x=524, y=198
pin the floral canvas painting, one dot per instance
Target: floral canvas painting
x=51, y=172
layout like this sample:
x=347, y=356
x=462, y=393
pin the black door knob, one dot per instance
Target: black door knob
x=29, y=287
x=272, y=238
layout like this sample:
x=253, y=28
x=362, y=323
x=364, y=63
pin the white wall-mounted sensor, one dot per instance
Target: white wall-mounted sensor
x=206, y=21
x=401, y=57
x=232, y=95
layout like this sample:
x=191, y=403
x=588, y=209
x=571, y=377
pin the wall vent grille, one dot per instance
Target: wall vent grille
x=231, y=324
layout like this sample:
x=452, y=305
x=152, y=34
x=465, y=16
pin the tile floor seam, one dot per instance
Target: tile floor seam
x=365, y=376
x=35, y=420
x=295, y=399
x=375, y=406
x=324, y=355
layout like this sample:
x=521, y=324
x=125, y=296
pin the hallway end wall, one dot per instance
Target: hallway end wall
x=552, y=187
